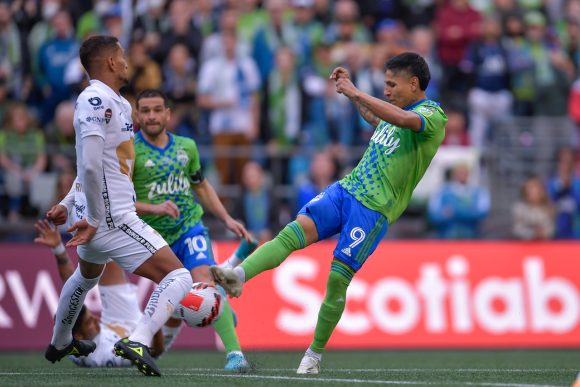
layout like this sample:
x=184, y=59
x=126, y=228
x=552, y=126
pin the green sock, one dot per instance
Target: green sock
x=333, y=304
x=226, y=330
x=273, y=253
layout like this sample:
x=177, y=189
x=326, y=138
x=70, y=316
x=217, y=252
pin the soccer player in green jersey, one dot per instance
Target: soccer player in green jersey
x=408, y=131
x=167, y=170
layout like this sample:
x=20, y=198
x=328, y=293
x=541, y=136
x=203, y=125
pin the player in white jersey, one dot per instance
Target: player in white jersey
x=120, y=311
x=106, y=225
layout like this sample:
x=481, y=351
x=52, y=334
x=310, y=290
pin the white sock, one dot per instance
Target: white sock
x=311, y=353
x=169, y=336
x=170, y=291
x=241, y=274
x=72, y=297
x=231, y=262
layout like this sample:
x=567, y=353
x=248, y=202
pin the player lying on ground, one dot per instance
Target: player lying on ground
x=106, y=224
x=120, y=307
x=409, y=130
x=167, y=169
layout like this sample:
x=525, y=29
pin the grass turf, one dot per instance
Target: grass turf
x=509, y=368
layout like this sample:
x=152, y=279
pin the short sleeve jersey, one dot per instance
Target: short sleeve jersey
x=119, y=317
x=165, y=174
x=100, y=111
x=395, y=161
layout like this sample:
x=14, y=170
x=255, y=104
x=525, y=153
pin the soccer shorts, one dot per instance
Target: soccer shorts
x=334, y=211
x=130, y=244
x=194, y=248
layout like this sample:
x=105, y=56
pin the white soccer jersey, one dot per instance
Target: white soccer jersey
x=102, y=112
x=120, y=315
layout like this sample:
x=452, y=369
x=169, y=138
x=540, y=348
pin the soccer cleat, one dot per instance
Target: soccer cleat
x=309, y=365
x=228, y=279
x=75, y=348
x=137, y=354
x=235, y=361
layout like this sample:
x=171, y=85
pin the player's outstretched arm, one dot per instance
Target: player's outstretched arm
x=373, y=109
x=49, y=236
x=210, y=200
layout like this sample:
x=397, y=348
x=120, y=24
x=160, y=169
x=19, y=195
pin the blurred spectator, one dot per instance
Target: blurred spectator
x=392, y=36
x=457, y=24
x=422, y=42
x=456, y=128
x=304, y=32
x=564, y=190
x=53, y=58
x=458, y=208
x=347, y=25
x=284, y=102
x=11, y=55
x=251, y=19
x=228, y=89
x=490, y=99
x=144, y=72
x=322, y=12
x=181, y=31
x=553, y=71
x=322, y=174
x=574, y=107
x=22, y=155
x=213, y=44
x=205, y=18
x=180, y=83
x=61, y=138
x=150, y=22
x=256, y=202
x=533, y=214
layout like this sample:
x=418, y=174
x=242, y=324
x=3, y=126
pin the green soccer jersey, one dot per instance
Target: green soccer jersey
x=395, y=161
x=164, y=174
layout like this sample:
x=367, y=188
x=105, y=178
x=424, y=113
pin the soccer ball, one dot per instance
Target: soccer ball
x=202, y=306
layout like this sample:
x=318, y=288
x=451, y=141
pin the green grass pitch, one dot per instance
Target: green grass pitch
x=506, y=368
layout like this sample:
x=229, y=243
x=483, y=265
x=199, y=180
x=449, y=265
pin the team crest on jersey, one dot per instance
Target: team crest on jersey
x=426, y=111
x=108, y=115
x=182, y=156
x=95, y=101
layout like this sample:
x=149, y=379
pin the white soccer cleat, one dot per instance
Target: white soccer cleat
x=228, y=279
x=309, y=365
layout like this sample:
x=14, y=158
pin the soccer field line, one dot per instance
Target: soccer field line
x=312, y=379
x=353, y=370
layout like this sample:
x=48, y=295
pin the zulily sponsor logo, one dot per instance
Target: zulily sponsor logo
x=154, y=299
x=386, y=137
x=173, y=184
x=73, y=305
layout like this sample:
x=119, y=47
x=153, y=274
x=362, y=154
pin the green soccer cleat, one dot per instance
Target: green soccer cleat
x=75, y=348
x=137, y=354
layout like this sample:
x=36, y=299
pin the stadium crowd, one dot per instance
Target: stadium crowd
x=248, y=80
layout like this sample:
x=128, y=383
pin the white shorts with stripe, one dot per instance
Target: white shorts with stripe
x=129, y=244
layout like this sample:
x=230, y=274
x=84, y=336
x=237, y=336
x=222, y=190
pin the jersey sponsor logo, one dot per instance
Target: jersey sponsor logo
x=126, y=156
x=95, y=101
x=386, y=137
x=96, y=120
x=108, y=115
x=149, y=163
x=174, y=184
x=316, y=198
x=128, y=127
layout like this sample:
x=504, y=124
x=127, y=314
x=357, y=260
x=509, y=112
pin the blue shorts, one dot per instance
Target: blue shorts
x=361, y=229
x=194, y=248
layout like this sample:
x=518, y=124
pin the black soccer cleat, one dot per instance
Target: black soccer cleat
x=75, y=348
x=137, y=354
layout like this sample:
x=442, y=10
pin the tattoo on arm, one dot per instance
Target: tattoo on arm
x=367, y=114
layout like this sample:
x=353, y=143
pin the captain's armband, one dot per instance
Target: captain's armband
x=197, y=177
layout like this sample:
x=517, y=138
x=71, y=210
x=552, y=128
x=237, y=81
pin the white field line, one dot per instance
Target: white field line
x=315, y=379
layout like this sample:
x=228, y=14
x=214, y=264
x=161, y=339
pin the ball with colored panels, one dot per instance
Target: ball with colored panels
x=202, y=306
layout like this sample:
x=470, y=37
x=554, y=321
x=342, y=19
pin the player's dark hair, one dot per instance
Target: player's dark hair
x=412, y=63
x=79, y=320
x=152, y=93
x=94, y=47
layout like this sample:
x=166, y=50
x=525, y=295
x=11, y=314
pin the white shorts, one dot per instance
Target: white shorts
x=130, y=244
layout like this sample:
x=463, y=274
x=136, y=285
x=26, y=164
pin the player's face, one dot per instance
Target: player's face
x=400, y=88
x=89, y=327
x=121, y=66
x=152, y=115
